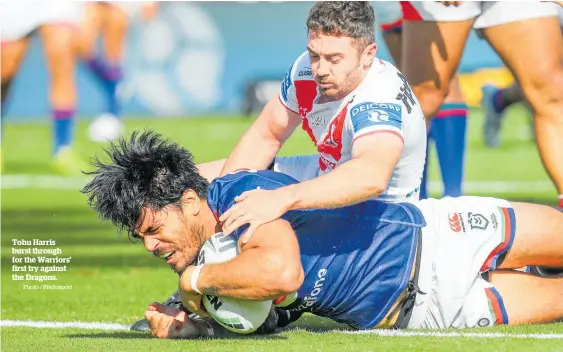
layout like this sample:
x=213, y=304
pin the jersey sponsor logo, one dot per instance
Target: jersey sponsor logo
x=309, y=300
x=286, y=84
x=305, y=72
x=316, y=120
x=477, y=221
x=375, y=114
x=405, y=94
x=332, y=142
x=324, y=163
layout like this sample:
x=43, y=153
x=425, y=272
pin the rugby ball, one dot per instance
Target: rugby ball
x=105, y=128
x=237, y=315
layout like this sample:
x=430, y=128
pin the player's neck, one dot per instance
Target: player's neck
x=209, y=222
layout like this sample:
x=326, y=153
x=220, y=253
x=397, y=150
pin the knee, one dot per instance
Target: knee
x=544, y=91
x=430, y=98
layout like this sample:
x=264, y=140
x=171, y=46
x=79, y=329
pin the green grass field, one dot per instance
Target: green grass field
x=113, y=280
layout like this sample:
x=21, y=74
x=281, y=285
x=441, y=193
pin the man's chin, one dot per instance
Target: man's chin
x=179, y=269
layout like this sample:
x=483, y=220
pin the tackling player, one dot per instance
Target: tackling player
x=56, y=23
x=448, y=127
x=358, y=110
x=435, y=34
x=438, y=264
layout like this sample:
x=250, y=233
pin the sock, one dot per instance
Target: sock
x=424, y=182
x=62, y=128
x=501, y=101
x=97, y=66
x=561, y=202
x=109, y=76
x=113, y=76
x=448, y=131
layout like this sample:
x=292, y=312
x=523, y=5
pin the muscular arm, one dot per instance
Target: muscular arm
x=364, y=176
x=269, y=266
x=259, y=145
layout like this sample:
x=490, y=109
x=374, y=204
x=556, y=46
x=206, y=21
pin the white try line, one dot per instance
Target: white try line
x=64, y=325
x=54, y=182
x=385, y=333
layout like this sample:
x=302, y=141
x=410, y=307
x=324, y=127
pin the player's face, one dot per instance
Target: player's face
x=172, y=235
x=337, y=63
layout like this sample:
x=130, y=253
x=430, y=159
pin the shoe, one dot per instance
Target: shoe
x=67, y=162
x=546, y=272
x=491, y=127
x=172, y=301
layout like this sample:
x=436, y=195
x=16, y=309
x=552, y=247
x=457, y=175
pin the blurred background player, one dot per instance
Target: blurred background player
x=496, y=100
x=449, y=125
x=435, y=35
x=109, y=20
x=57, y=25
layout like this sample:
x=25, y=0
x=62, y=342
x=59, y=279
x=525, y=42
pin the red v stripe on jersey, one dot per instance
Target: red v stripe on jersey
x=306, y=91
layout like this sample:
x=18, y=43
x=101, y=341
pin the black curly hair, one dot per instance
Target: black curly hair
x=146, y=171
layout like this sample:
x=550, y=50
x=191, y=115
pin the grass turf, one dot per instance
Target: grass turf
x=113, y=280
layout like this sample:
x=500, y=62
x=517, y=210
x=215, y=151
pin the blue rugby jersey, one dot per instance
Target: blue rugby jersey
x=357, y=259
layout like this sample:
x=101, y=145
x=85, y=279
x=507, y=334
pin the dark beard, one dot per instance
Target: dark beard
x=197, y=232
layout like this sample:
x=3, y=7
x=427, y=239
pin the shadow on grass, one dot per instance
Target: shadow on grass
x=139, y=335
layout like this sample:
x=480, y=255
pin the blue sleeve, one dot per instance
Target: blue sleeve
x=223, y=191
x=368, y=116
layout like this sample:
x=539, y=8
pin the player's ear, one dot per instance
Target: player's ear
x=191, y=202
x=368, y=55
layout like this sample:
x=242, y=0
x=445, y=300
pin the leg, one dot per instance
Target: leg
x=431, y=55
x=394, y=40
x=540, y=75
x=114, y=35
x=12, y=55
x=60, y=54
x=538, y=239
x=449, y=131
x=529, y=299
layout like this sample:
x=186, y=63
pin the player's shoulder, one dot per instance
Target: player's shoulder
x=386, y=90
x=381, y=83
x=301, y=69
x=243, y=180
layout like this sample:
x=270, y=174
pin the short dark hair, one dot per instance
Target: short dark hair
x=354, y=19
x=148, y=171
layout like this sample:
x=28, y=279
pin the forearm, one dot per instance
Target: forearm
x=253, y=151
x=248, y=276
x=349, y=183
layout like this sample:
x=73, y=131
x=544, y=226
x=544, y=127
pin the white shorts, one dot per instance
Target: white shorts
x=300, y=167
x=20, y=17
x=388, y=15
x=464, y=238
x=486, y=13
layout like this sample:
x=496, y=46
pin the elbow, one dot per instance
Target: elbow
x=375, y=188
x=286, y=277
x=291, y=280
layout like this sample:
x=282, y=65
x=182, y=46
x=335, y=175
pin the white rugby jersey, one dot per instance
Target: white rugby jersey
x=382, y=103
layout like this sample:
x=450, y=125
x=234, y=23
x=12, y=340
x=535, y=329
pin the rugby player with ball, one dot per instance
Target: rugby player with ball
x=436, y=264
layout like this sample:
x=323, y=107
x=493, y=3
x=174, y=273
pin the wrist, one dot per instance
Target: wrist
x=186, y=279
x=290, y=197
